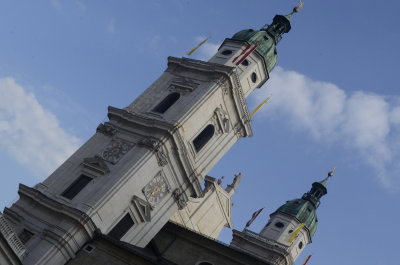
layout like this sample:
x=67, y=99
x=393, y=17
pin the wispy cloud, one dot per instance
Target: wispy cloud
x=363, y=121
x=29, y=132
x=110, y=27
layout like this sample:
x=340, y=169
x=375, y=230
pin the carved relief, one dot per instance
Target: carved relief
x=184, y=83
x=180, y=198
x=115, y=150
x=238, y=129
x=223, y=120
x=107, y=129
x=155, y=146
x=95, y=164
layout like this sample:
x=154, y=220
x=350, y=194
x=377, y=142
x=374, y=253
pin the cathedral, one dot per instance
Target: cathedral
x=137, y=192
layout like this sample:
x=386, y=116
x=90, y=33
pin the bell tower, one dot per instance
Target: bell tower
x=142, y=166
x=289, y=229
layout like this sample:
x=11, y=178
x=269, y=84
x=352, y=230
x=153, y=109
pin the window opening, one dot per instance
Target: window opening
x=253, y=77
x=25, y=236
x=226, y=52
x=167, y=102
x=122, y=227
x=201, y=139
x=245, y=62
x=76, y=187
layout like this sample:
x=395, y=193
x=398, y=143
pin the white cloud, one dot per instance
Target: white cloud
x=30, y=133
x=363, y=121
x=110, y=27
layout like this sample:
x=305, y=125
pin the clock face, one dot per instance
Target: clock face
x=155, y=190
x=115, y=150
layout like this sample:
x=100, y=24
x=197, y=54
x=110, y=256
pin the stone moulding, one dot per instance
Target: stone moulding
x=155, y=146
x=12, y=238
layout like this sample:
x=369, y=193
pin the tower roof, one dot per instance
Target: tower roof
x=267, y=38
x=304, y=208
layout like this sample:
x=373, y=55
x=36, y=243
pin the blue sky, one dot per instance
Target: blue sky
x=335, y=102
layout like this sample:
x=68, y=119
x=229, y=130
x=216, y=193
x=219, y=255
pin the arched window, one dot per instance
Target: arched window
x=201, y=139
x=167, y=102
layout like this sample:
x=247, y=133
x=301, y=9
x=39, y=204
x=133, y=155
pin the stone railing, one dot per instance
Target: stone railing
x=12, y=239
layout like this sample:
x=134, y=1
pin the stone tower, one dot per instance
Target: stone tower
x=146, y=164
x=289, y=229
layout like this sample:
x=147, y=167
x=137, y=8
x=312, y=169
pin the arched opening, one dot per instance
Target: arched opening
x=201, y=139
x=167, y=102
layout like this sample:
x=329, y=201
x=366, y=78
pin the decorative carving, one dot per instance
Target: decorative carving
x=223, y=120
x=235, y=182
x=115, y=150
x=238, y=130
x=96, y=164
x=241, y=97
x=12, y=238
x=180, y=198
x=107, y=129
x=185, y=83
x=155, y=146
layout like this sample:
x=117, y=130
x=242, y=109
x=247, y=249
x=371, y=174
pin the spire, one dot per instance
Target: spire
x=281, y=24
x=330, y=174
x=318, y=190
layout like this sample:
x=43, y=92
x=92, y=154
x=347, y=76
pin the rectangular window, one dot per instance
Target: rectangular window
x=122, y=227
x=25, y=236
x=76, y=187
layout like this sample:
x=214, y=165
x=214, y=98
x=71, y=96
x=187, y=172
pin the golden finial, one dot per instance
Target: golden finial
x=330, y=174
x=297, y=8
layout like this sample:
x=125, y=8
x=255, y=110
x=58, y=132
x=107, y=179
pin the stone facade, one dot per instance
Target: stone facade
x=112, y=200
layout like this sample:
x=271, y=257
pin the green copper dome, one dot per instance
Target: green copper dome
x=303, y=211
x=267, y=38
x=266, y=45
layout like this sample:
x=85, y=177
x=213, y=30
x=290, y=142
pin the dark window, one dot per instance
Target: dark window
x=205, y=263
x=89, y=248
x=25, y=236
x=201, y=139
x=76, y=187
x=245, y=62
x=279, y=225
x=122, y=227
x=300, y=245
x=167, y=102
x=253, y=77
x=265, y=38
x=290, y=231
x=226, y=52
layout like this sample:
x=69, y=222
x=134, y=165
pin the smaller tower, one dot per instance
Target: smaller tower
x=289, y=229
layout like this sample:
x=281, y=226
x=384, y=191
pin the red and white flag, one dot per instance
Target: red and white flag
x=254, y=216
x=307, y=259
x=246, y=52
